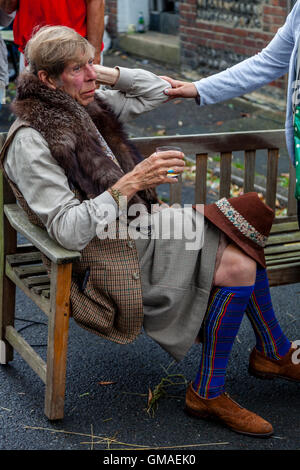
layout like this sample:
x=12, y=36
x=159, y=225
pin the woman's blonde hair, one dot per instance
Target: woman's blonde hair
x=51, y=48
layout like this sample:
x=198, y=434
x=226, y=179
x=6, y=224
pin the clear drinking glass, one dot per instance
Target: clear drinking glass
x=165, y=148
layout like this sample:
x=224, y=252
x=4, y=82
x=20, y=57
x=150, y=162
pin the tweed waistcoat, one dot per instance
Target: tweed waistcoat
x=107, y=302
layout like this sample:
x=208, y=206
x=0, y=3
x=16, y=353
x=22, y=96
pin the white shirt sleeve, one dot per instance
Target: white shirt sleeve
x=137, y=91
x=45, y=187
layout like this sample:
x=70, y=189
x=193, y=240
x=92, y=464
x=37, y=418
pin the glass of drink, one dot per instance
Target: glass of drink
x=165, y=148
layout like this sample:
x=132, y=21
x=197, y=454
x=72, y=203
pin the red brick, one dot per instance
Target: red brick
x=274, y=10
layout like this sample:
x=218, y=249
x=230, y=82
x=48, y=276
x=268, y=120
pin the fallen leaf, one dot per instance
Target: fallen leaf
x=219, y=123
x=150, y=396
x=109, y=382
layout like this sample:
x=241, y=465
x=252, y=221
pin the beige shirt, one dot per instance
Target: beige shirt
x=43, y=183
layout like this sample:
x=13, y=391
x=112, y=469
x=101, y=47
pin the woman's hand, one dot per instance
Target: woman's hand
x=151, y=172
x=180, y=89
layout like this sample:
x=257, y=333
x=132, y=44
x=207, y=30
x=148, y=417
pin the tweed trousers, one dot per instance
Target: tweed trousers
x=177, y=278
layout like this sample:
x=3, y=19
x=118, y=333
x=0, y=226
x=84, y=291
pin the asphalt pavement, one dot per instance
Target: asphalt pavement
x=108, y=384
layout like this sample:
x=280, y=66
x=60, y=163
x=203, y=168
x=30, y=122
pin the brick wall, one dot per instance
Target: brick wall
x=215, y=35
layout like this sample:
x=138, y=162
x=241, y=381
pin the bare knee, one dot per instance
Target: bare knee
x=235, y=268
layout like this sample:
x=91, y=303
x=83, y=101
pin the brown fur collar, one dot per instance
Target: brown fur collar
x=70, y=131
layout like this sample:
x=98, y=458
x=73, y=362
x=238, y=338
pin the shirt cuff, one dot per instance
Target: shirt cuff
x=198, y=97
x=106, y=208
x=126, y=78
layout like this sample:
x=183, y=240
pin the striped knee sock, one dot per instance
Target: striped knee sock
x=270, y=339
x=224, y=314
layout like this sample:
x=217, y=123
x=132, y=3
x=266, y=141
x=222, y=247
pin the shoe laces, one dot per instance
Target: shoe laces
x=228, y=396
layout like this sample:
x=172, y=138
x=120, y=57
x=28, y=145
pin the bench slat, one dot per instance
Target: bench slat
x=284, y=227
x=288, y=274
x=41, y=302
x=200, y=182
x=283, y=261
x=24, y=258
x=272, y=169
x=249, y=173
x=214, y=142
x=292, y=203
x=24, y=271
x=283, y=238
x=225, y=174
x=281, y=248
x=283, y=256
x=36, y=280
x=176, y=192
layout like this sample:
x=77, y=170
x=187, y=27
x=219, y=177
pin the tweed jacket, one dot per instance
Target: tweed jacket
x=107, y=302
x=106, y=296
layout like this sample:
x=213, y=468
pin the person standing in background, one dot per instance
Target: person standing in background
x=85, y=16
x=5, y=20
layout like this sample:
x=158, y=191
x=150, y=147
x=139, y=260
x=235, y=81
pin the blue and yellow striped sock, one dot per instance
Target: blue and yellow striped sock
x=224, y=314
x=270, y=339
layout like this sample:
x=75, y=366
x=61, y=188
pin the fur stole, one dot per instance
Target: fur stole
x=71, y=133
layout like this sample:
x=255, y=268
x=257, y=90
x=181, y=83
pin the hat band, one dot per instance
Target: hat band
x=241, y=223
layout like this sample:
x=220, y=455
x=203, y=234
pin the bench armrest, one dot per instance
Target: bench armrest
x=38, y=236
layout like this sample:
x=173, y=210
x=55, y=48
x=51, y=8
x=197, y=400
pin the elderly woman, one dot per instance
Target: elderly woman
x=71, y=166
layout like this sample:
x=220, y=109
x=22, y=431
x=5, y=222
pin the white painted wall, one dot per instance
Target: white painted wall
x=128, y=13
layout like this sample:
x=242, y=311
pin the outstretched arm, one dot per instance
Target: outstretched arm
x=262, y=68
x=180, y=89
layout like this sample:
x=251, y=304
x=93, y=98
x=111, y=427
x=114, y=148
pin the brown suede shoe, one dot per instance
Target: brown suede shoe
x=284, y=368
x=227, y=411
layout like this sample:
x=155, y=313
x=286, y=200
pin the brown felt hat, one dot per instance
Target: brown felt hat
x=246, y=220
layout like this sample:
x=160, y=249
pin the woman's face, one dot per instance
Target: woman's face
x=79, y=81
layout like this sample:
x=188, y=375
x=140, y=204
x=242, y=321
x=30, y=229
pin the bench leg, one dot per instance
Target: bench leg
x=58, y=340
x=7, y=319
x=7, y=290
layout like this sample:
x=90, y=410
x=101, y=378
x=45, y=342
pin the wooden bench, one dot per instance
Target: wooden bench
x=283, y=248
x=21, y=265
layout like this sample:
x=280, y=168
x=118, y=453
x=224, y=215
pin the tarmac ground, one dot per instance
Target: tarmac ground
x=108, y=384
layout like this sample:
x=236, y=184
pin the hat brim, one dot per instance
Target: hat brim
x=217, y=218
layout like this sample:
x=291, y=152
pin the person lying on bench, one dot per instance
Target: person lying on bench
x=71, y=167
